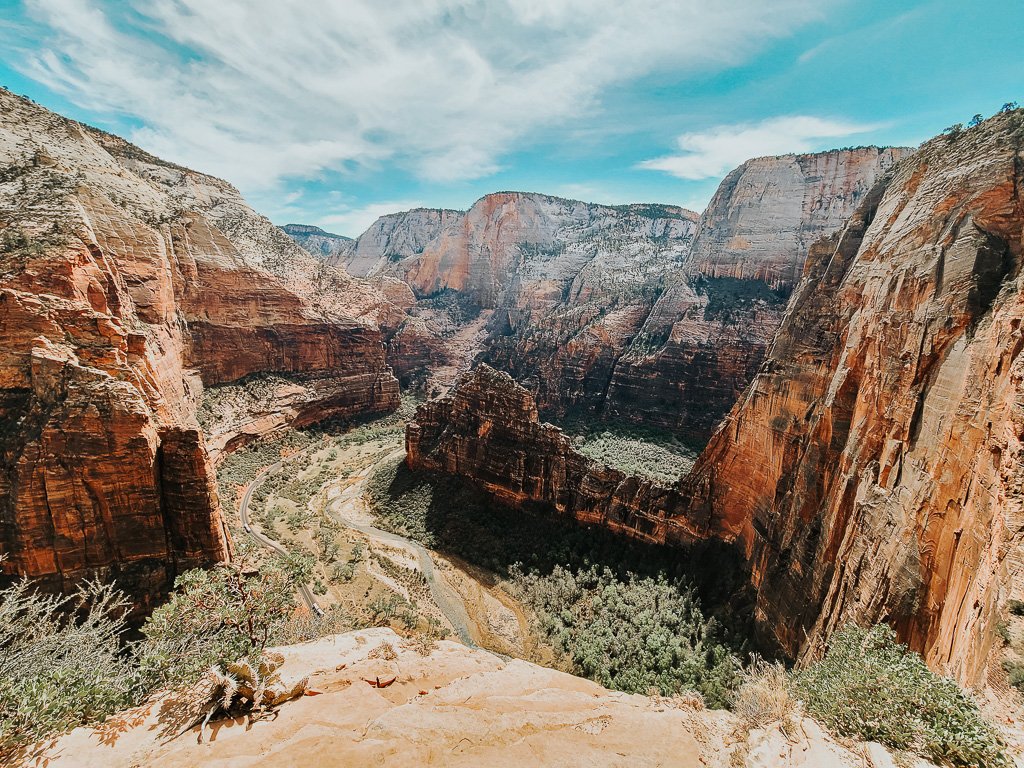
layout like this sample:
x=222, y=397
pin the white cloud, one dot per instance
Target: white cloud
x=712, y=153
x=256, y=90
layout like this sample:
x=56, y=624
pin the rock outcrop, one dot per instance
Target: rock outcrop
x=635, y=313
x=707, y=334
x=127, y=284
x=487, y=429
x=454, y=707
x=873, y=469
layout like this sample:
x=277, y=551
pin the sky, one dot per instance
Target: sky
x=333, y=112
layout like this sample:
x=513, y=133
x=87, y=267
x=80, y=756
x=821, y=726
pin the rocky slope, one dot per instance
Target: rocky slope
x=709, y=330
x=328, y=246
x=127, y=284
x=454, y=707
x=872, y=470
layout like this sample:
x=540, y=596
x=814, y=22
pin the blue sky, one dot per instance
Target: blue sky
x=332, y=113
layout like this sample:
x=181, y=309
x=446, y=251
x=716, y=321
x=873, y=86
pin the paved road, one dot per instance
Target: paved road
x=451, y=604
x=269, y=543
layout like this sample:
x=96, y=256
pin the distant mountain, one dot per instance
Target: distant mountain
x=327, y=245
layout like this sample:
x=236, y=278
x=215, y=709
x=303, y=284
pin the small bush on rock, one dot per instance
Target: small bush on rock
x=873, y=688
x=60, y=662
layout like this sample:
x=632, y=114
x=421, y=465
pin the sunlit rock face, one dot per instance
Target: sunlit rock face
x=707, y=334
x=872, y=470
x=127, y=284
x=552, y=290
x=330, y=247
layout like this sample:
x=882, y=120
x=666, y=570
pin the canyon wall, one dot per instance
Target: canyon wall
x=127, y=285
x=487, y=428
x=551, y=290
x=707, y=334
x=872, y=470
x=639, y=313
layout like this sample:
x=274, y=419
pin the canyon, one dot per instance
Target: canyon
x=642, y=313
x=127, y=285
x=839, y=330
x=871, y=470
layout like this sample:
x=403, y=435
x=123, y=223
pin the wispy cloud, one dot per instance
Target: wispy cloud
x=259, y=90
x=711, y=153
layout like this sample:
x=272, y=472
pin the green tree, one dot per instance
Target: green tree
x=219, y=616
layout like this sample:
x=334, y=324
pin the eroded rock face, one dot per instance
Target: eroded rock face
x=707, y=334
x=563, y=286
x=872, y=469
x=487, y=429
x=127, y=285
x=395, y=237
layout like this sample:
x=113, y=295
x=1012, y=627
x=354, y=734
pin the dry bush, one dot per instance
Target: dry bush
x=763, y=697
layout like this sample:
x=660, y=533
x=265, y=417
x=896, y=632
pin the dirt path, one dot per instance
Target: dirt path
x=349, y=509
x=265, y=541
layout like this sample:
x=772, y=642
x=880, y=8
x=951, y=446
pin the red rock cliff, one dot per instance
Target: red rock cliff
x=872, y=470
x=126, y=285
x=487, y=429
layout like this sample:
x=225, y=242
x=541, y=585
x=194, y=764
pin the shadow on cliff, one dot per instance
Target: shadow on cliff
x=448, y=514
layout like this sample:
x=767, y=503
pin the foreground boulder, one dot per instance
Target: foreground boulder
x=451, y=706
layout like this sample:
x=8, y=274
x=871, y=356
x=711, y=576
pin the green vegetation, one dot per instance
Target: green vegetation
x=66, y=662
x=727, y=295
x=60, y=662
x=215, y=617
x=660, y=457
x=873, y=688
x=623, y=613
x=631, y=633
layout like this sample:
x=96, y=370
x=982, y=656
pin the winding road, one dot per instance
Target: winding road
x=447, y=601
x=266, y=542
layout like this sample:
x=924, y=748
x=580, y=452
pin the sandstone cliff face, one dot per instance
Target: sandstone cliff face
x=126, y=285
x=487, y=429
x=564, y=286
x=395, y=237
x=872, y=470
x=708, y=332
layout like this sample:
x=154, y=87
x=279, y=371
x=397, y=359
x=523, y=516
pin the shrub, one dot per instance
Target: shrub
x=60, y=662
x=216, y=617
x=764, y=697
x=632, y=634
x=871, y=687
